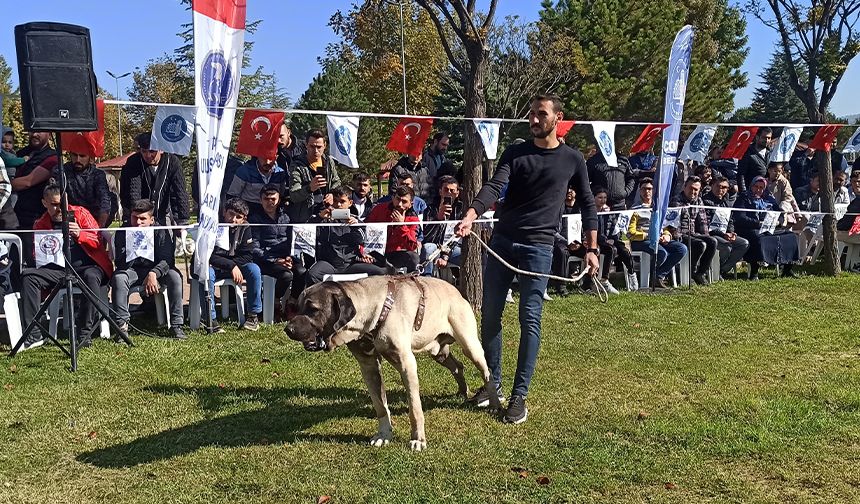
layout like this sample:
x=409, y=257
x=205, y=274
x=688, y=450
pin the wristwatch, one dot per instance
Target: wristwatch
x=593, y=251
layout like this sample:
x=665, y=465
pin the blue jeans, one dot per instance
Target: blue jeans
x=668, y=255
x=497, y=279
x=429, y=248
x=253, y=286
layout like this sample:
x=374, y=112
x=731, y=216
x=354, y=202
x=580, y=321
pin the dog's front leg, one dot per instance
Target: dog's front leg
x=405, y=363
x=370, y=371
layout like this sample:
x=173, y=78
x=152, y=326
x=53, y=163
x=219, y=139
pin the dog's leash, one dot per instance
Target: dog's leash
x=598, y=287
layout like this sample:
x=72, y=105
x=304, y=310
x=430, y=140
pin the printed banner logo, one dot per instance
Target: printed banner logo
x=174, y=128
x=343, y=140
x=217, y=83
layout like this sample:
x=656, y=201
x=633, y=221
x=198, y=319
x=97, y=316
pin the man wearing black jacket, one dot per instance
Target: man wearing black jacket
x=150, y=273
x=754, y=162
x=158, y=177
x=618, y=181
x=731, y=246
x=449, y=208
x=537, y=175
x=693, y=229
x=273, y=239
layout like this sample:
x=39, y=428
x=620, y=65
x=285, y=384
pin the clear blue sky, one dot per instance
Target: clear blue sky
x=126, y=34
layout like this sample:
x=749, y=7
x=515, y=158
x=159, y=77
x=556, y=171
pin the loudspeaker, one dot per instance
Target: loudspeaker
x=58, y=86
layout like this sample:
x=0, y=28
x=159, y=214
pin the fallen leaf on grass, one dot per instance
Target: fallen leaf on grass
x=92, y=435
x=522, y=472
x=670, y=486
x=542, y=480
x=642, y=415
x=13, y=369
x=637, y=325
x=221, y=385
x=323, y=499
x=8, y=387
x=276, y=374
x=265, y=361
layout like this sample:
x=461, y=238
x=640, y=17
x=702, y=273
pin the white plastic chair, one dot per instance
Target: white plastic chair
x=57, y=304
x=162, y=304
x=194, y=308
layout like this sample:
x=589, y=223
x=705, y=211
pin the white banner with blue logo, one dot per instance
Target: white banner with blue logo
x=676, y=92
x=219, y=36
x=574, y=228
x=698, y=143
x=488, y=130
x=343, y=139
x=173, y=129
x=140, y=243
x=304, y=240
x=375, y=238
x=49, y=249
x=784, y=147
x=604, y=135
x=853, y=144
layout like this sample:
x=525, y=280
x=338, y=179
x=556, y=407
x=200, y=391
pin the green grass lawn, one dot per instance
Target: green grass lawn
x=734, y=393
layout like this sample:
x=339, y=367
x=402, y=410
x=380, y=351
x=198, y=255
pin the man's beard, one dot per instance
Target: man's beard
x=543, y=133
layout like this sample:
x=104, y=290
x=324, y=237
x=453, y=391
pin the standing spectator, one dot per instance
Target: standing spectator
x=644, y=165
x=855, y=184
x=432, y=161
x=730, y=246
x=273, y=239
x=158, y=177
x=402, y=246
x=693, y=229
x=617, y=180
x=704, y=172
x=311, y=178
x=88, y=187
x=250, y=179
x=801, y=165
x=779, y=187
x=29, y=183
x=754, y=162
x=449, y=208
x=669, y=251
x=362, y=195
x=728, y=168
x=807, y=197
x=289, y=149
x=149, y=273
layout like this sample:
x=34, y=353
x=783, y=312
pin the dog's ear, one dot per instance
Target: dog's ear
x=343, y=309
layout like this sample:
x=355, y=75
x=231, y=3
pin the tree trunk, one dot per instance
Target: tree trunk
x=471, y=280
x=825, y=177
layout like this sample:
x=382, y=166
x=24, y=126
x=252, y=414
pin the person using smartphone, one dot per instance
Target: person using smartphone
x=311, y=179
x=449, y=208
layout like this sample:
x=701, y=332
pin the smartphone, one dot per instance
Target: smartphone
x=72, y=217
x=340, y=214
x=447, y=200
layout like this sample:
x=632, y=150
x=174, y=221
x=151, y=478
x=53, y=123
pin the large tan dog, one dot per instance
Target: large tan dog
x=349, y=313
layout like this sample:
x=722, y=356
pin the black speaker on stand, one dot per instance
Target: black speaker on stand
x=58, y=93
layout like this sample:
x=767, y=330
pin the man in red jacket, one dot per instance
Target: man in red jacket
x=402, y=246
x=88, y=258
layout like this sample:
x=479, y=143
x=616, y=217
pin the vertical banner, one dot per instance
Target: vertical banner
x=489, y=132
x=219, y=37
x=853, y=144
x=676, y=91
x=785, y=145
x=699, y=143
x=604, y=134
x=173, y=129
x=343, y=139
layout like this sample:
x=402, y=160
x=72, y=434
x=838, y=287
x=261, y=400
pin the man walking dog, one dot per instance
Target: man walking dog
x=537, y=174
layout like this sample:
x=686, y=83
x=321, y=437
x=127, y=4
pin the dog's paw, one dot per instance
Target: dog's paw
x=380, y=439
x=417, y=445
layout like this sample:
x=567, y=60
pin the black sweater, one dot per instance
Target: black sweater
x=537, y=181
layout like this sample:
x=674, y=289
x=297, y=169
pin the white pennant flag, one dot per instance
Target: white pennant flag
x=622, y=223
x=853, y=144
x=304, y=240
x=173, y=129
x=488, y=130
x=785, y=145
x=672, y=219
x=720, y=220
x=343, y=139
x=771, y=220
x=698, y=143
x=49, y=249
x=375, y=238
x=574, y=228
x=140, y=243
x=222, y=237
x=604, y=134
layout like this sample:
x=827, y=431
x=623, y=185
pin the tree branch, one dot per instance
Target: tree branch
x=491, y=13
x=443, y=37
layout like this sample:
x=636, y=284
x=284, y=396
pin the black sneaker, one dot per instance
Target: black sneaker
x=214, y=329
x=251, y=322
x=481, y=399
x=85, y=343
x=701, y=279
x=517, y=411
x=176, y=332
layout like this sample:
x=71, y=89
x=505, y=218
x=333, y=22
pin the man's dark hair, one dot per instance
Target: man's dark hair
x=554, y=98
x=646, y=180
x=597, y=190
x=404, y=191
x=439, y=136
x=719, y=179
x=143, y=140
x=142, y=206
x=237, y=205
x=360, y=177
x=447, y=179
x=404, y=177
x=314, y=133
x=813, y=174
x=763, y=130
x=269, y=189
x=51, y=190
x=340, y=192
x=855, y=174
x=9, y=132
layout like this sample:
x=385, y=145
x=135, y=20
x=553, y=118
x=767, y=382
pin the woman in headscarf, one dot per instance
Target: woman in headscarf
x=771, y=245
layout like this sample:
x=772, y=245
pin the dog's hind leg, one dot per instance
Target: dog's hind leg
x=370, y=371
x=449, y=362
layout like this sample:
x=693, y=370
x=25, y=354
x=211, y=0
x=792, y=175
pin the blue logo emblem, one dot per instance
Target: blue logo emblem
x=856, y=141
x=343, y=140
x=174, y=128
x=138, y=239
x=486, y=131
x=216, y=80
x=605, y=144
x=700, y=142
x=787, y=143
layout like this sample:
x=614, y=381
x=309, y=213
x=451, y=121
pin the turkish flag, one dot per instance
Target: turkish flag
x=825, y=136
x=259, y=133
x=563, y=127
x=88, y=143
x=647, y=137
x=410, y=135
x=741, y=140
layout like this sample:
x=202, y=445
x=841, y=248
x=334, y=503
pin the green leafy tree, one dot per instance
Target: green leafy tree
x=774, y=101
x=11, y=103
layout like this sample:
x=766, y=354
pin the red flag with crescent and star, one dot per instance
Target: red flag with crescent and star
x=88, y=143
x=647, y=137
x=741, y=140
x=825, y=136
x=410, y=135
x=563, y=127
x=259, y=133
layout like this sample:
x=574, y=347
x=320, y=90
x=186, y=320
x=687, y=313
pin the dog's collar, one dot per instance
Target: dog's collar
x=389, y=301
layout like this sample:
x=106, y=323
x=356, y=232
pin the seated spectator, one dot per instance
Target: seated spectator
x=29, y=183
x=7, y=213
x=418, y=203
x=402, y=246
x=273, y=240
x=339, y=248
x=159, y=177
x=250, y=179
x=669, y=251
x=728, y=168
x=730, y=246
x=87, y=186
x=449, y=208
x=781, y=247
x=807, y=197
x=841, y=194
x=134, y=270
x=311, y=177
x=88, y=257
x=845, y=224
x=704, y=173
x=562, y=250
x=236, y=262
x=855, y=185
x=693, y=229
x=612, y=249
x=362, y=195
